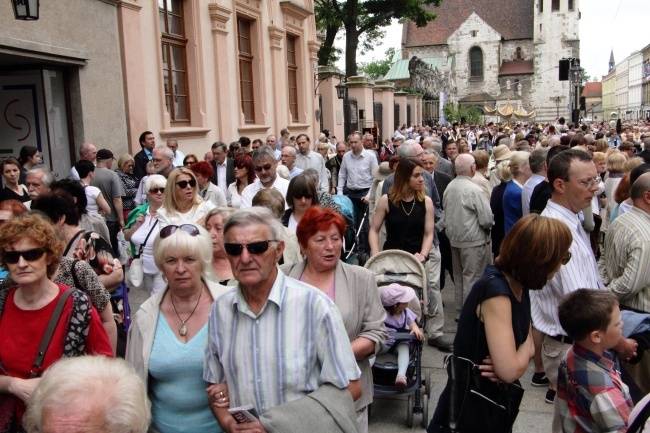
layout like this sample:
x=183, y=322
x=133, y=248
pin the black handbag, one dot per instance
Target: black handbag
x=473, y=403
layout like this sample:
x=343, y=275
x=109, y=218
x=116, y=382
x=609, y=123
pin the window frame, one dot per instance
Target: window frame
x=555, y=5
x=246, y=62
x=167, y=42
x=472, y=67
x=292, y=73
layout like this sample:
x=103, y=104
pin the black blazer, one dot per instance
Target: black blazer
x=140, y=167
x=441, y=179
x=230, y=172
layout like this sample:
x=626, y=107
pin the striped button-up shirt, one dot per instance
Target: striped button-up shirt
x=294, y=345
x=627, y=258
x=356, y=171
x=580, y=273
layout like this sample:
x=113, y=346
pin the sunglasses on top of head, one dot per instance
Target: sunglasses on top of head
x=190, y=229
x=253, y=248
x=182, y=184
x=12, y=257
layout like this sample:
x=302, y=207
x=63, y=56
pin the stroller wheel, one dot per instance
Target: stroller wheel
x=409, y=411
x=425, y=411
x=427, y=383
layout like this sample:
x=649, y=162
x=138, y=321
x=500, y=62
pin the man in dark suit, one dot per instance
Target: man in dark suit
x=142, y=158
x=224, y=169
x=645, y=153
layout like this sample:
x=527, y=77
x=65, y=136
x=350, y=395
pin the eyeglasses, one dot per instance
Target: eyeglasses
x=253, y=248
x=171, y=229
x=266, y=167
x=157, y=190
x=12, y=257
x=590, y=183
x=182, y=184
x=240, y=167
x=188, y=163
x=305, y=196
x=567, y=258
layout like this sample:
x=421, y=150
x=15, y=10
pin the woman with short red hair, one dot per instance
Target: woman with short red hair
x=207, y=190
x=244, y=176
x=352, y=288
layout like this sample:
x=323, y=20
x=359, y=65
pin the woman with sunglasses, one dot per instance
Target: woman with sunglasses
x=214, y=223
x=301, y=195
x=31, y=251
x=168, y=335
x=494, y=329
x=189, y=160
x=244, y=175
x=352, y=288
x=142, y=227
x=182, y=202
x=13, y=190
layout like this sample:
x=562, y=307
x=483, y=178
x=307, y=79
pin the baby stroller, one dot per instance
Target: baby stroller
x=351, y=237
x=396, y=266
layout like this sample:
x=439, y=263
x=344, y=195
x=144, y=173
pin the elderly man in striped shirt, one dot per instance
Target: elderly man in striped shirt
x=272, y=339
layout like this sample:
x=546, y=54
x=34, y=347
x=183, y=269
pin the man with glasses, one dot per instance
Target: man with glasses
x=264, y=163
x=273, y=339
x=289, y=160
x=308, y=159
x=179, y=156
x=224, y=169
x=573, y=179
x=163, y=160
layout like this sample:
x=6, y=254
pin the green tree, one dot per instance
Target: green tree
x=363, y=22
x=376, y=69
x=471, y=114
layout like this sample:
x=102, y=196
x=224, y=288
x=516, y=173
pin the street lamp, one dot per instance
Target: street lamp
x=342, y=93
x=25, y=10
x=558, y=100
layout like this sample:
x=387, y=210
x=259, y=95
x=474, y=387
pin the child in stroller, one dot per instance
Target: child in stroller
x=399, y=318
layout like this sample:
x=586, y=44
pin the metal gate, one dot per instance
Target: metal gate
x=408, y=115
x=320, y=112
x=396, y=116
x=351, y=117
x=378, y=116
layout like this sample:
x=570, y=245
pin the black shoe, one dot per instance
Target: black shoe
x=550, y=396
x=539, y=379
x=442, y=343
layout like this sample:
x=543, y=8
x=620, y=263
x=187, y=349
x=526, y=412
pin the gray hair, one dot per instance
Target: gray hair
x=406, y=149
x=85, y=147
x=223, y=212
x=641, y=185
x=48, y=176
x=180, y=242
x=262, y=153
x=312, y=174
x=156, y=180
x=253, y=216
x=538, y=159
x=108, y=382
x=431, y=151
x=293, y=149
x=166, y=150
x=464, y=164
x=173, y=139
x=554, y=140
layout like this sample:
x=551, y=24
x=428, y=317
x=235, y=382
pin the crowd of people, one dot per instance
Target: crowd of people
x=544, y=230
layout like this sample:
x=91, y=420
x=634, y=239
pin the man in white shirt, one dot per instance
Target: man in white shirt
x=264, y=162
x=88, y=152
x=537, y=162
x=289, y=160
x=172, y=143
x=308, y=159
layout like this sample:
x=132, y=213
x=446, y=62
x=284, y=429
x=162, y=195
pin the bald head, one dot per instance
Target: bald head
x=464, y=165
x=639, y=189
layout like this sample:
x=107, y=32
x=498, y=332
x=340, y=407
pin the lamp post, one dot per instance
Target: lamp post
x=557, y=107
x=342, y=93
x=26, y=10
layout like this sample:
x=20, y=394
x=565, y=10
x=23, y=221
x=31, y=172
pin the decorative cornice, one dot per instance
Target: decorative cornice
x=220, y=15
x=248, y=8
x=276, y=34
x=126, y=4
x=313, y=46
x=295, y=10
x=184, y=132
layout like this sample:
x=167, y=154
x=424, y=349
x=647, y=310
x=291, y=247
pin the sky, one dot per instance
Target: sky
x=623, y=25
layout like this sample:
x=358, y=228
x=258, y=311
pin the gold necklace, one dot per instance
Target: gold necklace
x=182, y=330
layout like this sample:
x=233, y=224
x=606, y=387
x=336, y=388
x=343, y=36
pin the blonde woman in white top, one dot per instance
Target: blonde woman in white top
x=182, y=203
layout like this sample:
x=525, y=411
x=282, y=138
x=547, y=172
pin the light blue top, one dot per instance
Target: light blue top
x=179, y=402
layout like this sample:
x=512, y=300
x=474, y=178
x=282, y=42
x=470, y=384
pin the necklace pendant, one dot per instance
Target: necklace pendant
x=182, y=330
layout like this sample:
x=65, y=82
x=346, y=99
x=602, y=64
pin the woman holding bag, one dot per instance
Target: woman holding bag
x=494, y=336
x=141, y=229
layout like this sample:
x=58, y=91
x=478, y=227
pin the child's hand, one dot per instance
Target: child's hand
x=418, y=333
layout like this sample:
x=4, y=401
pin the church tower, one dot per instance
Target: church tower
x=612, y=64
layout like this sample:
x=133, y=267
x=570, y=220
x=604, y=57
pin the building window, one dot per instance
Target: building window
x=246, y=69
x=519, y=53
x=474, y=33
x=570, y=5
x=292, y=80
x=555, y=5
x=541, y=5
x=476, y=63
x=174, y=59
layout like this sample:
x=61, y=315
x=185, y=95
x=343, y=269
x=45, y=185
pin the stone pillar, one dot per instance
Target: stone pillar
x=133, y=72
x=400, y=98
x=332, y=109
x=361, y=89
x=384, y=93
x=219, y=16
x=411, y=100
x=279, y=78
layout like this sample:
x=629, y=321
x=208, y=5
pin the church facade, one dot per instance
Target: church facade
x=499, y=51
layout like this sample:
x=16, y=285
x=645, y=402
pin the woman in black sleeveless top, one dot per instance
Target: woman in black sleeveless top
x=408, y=213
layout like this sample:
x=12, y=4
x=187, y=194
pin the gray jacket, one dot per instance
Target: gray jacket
x=467, y=213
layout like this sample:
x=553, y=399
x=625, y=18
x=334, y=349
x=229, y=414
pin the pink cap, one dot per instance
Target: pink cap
x=395, y=294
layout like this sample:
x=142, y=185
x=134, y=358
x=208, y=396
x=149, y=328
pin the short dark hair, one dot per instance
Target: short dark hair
x=220, y=144
x=561, y=164
x=143, y=136
x=586, y=310
x=54, y=206
x=26, y=152
x=75, y=189
x=84, y=167
x=244, y=141
x=577, y=140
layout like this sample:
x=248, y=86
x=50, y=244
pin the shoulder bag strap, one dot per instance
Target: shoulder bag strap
x=477, y=304
x=638, y=423
x=47, y=337
x=73, y=271
x=146, y=239
x=72, y=242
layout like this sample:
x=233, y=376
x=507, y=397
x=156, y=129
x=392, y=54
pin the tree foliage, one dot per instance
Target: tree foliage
x=376, y=69
x=472, y=114
x=362, y=22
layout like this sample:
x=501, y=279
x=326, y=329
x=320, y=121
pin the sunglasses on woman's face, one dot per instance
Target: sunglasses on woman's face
x=12, y=257
x=157, y=190
x=182, y=184
x=240, y=167
x=305, y=196
x=253, y=248
x=170, y=230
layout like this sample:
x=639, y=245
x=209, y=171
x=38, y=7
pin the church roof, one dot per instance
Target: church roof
x=513, y=19
x=593, y=90
x=400, y=69
x=517, y=67
x=478, y=97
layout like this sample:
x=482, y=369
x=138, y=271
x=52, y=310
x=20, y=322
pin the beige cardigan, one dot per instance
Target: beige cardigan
x=357, y=298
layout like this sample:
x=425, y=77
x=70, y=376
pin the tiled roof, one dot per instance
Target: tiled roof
x=593, y=90
x=513, y=19
x=400, y=69
x=478, y=97
x=517, y=67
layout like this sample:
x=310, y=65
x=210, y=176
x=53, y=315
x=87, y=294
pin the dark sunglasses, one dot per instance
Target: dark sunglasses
x=253, y=248
x=183, y=183
x=241, y=166
x=157, y=190
x=170, y=230
x=566, y=259
x=12, y=257
x=306, y=196
x=266, y=167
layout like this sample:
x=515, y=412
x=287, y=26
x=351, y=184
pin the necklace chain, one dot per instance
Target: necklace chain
x=401, y=202
x=182, y=330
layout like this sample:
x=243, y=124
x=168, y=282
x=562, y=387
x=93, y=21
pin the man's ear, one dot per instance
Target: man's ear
x=559, y=185
x=595, y=336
